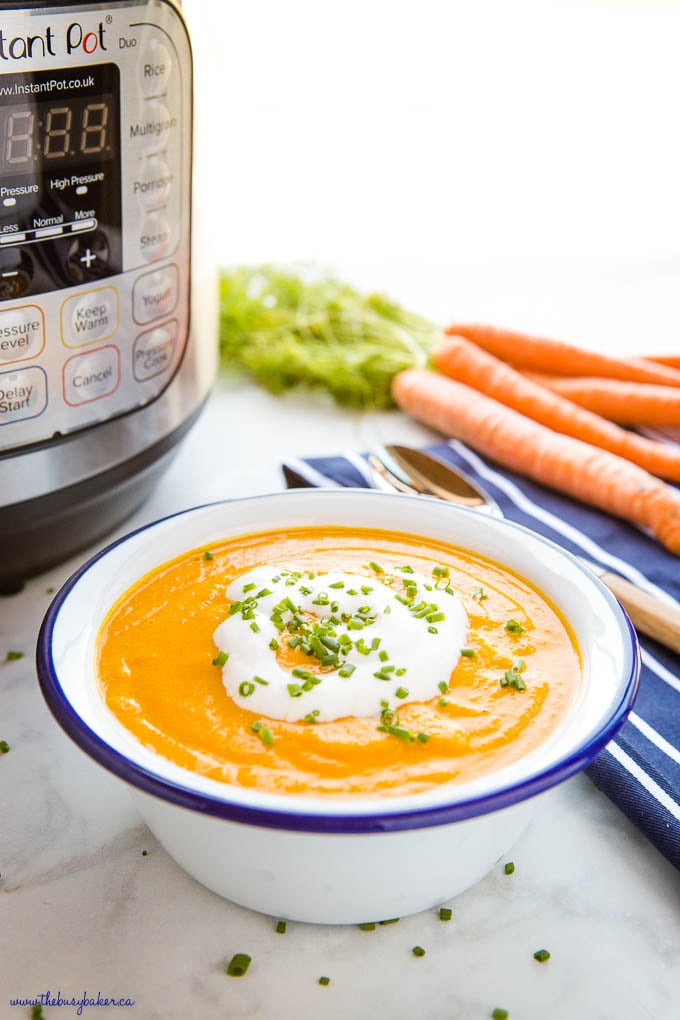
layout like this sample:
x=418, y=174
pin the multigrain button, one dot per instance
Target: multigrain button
x=91, y=376
x=155, y=68
x=152, y=187
x=23, y=394
x=153, y=351
x=154, y=237
x=89, y=316
x=155, y=294
x=22, y=333
x=152, y=129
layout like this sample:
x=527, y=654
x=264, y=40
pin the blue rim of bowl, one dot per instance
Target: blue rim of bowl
x=346, y=824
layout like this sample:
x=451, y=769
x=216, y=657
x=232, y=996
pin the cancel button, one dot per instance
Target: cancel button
x=154, y=351
x=91, y=376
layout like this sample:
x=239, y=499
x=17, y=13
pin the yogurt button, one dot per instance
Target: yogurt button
x=89, y=316
x=155, y=294
x=155, y=68
x=22, y=333
x=91, y=376
x=23, y=394
x=152, y=187
x=154, y=238
x=153, y=351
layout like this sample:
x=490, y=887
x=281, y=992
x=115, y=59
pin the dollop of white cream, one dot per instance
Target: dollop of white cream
x=418, y=654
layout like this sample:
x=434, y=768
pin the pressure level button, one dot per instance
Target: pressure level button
x=22, y=333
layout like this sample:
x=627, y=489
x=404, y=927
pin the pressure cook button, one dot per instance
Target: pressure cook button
x=87, y=257
x=155, y=294
x=152, y=187
x=89, y=316
x=23, y=394
x=155, y=68
x=22, y=333
x=154, y=238
x=16, y=273
x=91, y=376
x=153, y=351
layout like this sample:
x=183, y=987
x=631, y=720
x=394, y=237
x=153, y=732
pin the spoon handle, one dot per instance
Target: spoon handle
x=654, y=618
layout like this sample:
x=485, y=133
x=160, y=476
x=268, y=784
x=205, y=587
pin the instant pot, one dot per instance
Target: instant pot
x=107, y=351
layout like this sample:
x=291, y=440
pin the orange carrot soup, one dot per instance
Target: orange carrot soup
x=337, y=662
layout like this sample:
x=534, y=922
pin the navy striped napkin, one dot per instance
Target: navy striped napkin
x=639, y=770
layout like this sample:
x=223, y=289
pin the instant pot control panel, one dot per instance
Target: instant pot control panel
x=95, y=189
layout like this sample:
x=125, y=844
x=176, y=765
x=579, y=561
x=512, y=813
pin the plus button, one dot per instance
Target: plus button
x=88, y=258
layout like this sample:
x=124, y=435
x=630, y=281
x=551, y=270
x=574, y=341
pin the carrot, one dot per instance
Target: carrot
x=469, y=364
x=538, y=354
x=669, y=360
x=569, y=465
x=624, y=402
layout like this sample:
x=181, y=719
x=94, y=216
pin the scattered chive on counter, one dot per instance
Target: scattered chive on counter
x=509, y=868
x=541, y=955
x=418, y=951
x=281, y=927
x=145, y=853
x=367, y=926
x=37, y=1013
x=500, y=1014
x=445, y=913
x=324, y=981
x=4, y=747
x=238, y=965
x=13, y=656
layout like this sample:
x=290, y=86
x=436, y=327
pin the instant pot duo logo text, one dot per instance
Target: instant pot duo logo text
x=77, y=39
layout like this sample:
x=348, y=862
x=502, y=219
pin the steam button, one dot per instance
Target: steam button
x=155, y=237
x=155, y=68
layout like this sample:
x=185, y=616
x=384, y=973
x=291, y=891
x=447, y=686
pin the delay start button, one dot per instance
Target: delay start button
x=91, y=376
x=22, y=333
x=89, y=316
x=23, y=394
x=153, y=352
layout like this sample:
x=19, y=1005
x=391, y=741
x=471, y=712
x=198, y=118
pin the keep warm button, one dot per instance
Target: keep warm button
x=89, y=316
x=91, y=376
x=153, y=351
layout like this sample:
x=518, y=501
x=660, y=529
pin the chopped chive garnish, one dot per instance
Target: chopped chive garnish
x=324, y=981
x=337, y=584
x=390, y=920
x=280, y=928
x=311, y=717
x=440, y=572
x=220, y=659
x=500, y=1014
x=387, y=610
x=346, y=670
x=541, y=955
x=418, y=951
x=208, y=555
x=445, y=913
x=432, y=630
x=294, y=641
x=423, y=737
x=513, y=627
x=376, y=567
x=443, y=702
x=397, y=731
x=407, y=570
x=238, y=965
x=352, y=591
x=295, y=690
x=435, y=617
x=380, y=674
x=4, y=747
x=511, y=678
x=366, y=589
x=402, y=599
x=401, y=671
x=519, y=665
x=384, y=656
x=274, y=645
x=367, y=926
x=234, y=608
x=469, y=653
x=249, y=586
x=259, y=680
x=13, y=656
x=443, y=686
x=245, y=689
x=266, y=735
x=479, y=594
x=254, y=627
x=509, y=868
x=401, y=692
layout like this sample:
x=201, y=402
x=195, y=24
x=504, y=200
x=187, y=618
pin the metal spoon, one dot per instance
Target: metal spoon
x=412, y=471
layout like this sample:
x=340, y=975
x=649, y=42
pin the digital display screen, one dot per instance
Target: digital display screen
x=50, y=134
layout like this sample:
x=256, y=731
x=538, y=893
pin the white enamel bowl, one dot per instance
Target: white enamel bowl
x=313, y=859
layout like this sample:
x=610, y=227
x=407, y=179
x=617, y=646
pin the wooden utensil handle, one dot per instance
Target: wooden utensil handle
x=648, y=614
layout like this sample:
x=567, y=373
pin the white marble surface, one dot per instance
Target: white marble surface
x=82, y=909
